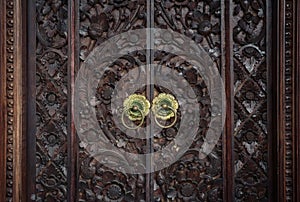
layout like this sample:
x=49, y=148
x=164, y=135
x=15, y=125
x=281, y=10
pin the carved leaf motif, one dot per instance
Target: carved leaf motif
x=250, y=144
x=100, y=20
x=51, y=101
x=190, y=179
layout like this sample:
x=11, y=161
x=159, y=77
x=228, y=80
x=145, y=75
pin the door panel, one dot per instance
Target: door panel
x=191, y=178
x=99, y=21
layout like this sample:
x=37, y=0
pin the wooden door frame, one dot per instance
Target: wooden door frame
x=286, y=54
x=285, y=115
x=13, y=63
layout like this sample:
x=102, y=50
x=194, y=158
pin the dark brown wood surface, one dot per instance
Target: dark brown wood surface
x=40, y=58
x=30, y=109
x=228, y=160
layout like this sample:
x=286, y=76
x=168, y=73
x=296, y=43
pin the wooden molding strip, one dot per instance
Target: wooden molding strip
x=11, y=100
x=288, y=98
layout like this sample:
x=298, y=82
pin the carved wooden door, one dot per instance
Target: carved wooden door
x=102, y=76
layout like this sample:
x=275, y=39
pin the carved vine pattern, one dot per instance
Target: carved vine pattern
x=121, y=186
x=51, y=100
x=250, y=100
x=100, y=20
x=190, y=179
x=199, y=20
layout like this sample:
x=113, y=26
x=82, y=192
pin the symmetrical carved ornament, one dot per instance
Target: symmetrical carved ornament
x=190, y=179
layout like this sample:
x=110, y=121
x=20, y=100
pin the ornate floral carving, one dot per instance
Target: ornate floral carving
x=51, y=100
x=199, y=20
x=116, y=136
x=98, y=22
x=190, y=179
x=250, y=98
x=99, y=183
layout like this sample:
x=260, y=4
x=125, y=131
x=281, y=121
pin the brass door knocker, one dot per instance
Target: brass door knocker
x=164, y=107
x=135, y=107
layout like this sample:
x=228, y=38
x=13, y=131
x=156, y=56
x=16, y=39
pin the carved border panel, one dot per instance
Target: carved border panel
x=251, y=136
x=51, y=99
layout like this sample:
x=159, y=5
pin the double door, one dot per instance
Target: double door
x=159, y=100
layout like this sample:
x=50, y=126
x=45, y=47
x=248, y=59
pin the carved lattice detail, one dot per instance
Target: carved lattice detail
x=51, y=100
x=250, y=98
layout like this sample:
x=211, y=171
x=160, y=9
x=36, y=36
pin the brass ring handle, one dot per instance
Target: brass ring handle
x=164, y=107
x=136, y=109
x=175, y=117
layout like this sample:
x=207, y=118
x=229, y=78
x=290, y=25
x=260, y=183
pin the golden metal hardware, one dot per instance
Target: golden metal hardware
x=136, y=107
x=164, y=107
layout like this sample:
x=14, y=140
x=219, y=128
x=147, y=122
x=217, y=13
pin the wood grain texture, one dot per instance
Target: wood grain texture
x=30, y=91
x=73, y=65
x=227, y=71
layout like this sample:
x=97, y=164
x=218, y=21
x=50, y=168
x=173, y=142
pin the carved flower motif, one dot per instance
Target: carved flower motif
x=111, y=186
x=52, y=139
x=99, y=25
x=187, y=190
x=204, y=26
x=114, y=191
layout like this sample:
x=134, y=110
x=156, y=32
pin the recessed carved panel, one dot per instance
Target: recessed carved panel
x=190, y=178
x=51, y=100
x=250, y=101
x=100, y=21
